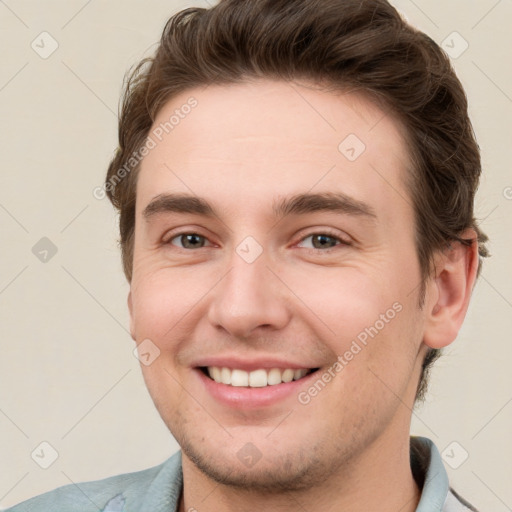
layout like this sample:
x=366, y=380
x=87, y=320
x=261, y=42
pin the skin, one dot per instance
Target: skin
x=242, y=147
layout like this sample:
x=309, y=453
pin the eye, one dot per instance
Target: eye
x=188, y=241
x=324, y=241
x=197, y=241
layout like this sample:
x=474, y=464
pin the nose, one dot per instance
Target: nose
x=248, y=298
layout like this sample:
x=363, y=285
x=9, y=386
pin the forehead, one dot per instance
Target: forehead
x=272, y=138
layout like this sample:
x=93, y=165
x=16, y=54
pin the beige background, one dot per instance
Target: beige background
x=68, y=375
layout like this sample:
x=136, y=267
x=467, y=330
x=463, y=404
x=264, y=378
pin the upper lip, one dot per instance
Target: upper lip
x=248, y=365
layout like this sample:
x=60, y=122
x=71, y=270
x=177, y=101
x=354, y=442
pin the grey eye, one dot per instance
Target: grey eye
x=189, y=240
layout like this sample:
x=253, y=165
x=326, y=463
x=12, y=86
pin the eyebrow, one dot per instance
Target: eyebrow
x=298, y=204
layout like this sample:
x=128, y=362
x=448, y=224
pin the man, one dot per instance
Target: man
x=295, y=181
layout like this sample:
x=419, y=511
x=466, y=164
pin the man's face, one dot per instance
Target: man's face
x=257, y=291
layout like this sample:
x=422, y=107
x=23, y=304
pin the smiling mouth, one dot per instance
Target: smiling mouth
x=254, y=379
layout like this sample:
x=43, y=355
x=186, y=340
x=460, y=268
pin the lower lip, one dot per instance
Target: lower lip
x=252, y=398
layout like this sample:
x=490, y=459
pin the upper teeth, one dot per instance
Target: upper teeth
x=255, y=379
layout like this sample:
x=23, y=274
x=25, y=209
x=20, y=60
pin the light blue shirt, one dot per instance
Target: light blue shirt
x=158, y=489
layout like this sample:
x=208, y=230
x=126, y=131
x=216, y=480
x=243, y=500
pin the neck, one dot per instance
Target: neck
x=378, y=479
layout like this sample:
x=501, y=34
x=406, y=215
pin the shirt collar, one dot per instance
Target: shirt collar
x=163, y=495
x=435, y=486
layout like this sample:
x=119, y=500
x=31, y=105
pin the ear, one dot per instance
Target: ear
x=449, y=291
x=130, y=309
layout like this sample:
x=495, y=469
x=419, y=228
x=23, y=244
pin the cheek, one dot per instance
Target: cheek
x=163, y=303
x=162, y=299
x=369, y=318
x=345, y=300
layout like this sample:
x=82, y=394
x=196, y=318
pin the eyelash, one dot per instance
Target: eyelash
x=326, y=232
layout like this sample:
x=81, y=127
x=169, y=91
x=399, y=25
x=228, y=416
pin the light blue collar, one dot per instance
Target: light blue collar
x=163, y=495
x=436, y=486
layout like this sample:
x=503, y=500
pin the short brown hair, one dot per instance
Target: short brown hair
x=362, y=45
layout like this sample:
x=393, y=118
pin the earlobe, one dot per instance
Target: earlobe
x=450, y=291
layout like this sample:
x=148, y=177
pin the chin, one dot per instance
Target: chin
x=275, y=474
